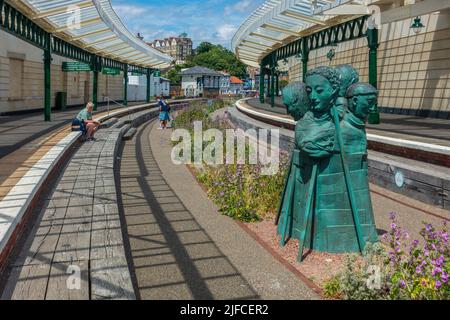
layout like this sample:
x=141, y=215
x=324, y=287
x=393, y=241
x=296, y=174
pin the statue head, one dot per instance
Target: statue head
x=362, y=98
x=349, y=76
x=296, y=99
x=322, y=86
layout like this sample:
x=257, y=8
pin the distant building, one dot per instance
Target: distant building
x=224, y=83
x=137, y=87
x=200, y=82
x=236, y=85
x=164, y=87
x=179, y=48
x=252, y=77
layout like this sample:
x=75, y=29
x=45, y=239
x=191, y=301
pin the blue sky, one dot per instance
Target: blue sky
x=203, y=20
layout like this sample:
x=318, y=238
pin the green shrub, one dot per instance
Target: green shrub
x=240, y=191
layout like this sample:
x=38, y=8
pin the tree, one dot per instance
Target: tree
x=204, y=47
x=218, y=58
x=211, y=56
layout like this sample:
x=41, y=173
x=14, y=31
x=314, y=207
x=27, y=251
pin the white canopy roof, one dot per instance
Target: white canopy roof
x=94, y=26
x=275, y=23
x=279, y=22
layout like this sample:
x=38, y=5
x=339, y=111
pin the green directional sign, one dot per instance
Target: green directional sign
x=157, y=73
x=134, y=73
x=75, y=66
x=111, y=71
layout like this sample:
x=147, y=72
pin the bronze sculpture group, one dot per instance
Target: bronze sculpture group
x=326, y=201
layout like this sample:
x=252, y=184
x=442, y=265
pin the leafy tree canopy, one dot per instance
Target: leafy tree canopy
x=212, y=56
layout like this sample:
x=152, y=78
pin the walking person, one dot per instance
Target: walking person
x=91, y=124
x=164, y=110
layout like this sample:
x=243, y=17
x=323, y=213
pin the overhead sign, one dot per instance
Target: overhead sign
x=157, y=73
x=111, y=71
x=75, y=66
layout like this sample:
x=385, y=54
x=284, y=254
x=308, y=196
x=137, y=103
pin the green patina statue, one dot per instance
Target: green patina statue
x=362, y=98
x=296, y=99
x=348, y=76
x=326, y=201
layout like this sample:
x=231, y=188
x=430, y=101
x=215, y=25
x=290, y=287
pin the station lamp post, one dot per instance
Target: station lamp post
x=417, y=25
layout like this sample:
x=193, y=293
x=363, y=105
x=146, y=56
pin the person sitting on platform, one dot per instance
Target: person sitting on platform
x=92, y=125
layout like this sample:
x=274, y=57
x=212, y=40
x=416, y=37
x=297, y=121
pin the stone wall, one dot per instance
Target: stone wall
x=414, y=70
x=21, y=63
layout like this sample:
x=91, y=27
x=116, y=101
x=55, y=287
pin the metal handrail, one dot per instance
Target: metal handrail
x=119, y=104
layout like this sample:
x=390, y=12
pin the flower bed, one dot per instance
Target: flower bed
x=392, y=269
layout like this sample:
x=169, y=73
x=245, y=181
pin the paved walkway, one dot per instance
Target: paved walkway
x=427, y=130
x=181, y=246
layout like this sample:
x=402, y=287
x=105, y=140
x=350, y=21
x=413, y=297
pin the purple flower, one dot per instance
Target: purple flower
x=402, y=283
x=436, y=271
x=415, y=243
x=438, y=284
x=419, y=270
x=444, y=277
x=428, y=227
x=392, y=215
x=393, y=226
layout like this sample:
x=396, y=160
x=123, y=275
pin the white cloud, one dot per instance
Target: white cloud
x=240, y=6
x=225, y=32
x=130, y=11
x=209, y=20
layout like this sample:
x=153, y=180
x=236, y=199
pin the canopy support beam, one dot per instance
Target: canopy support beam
x=373, y=43
x=261, y=84
x=47, y=78
x=149, y=73
x=125, y=85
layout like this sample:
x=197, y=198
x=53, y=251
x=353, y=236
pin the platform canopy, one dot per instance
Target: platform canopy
x=94, y=26
x=280, y=22
x=275, y=23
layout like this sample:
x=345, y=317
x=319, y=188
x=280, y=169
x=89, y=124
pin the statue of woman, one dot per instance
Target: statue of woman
x=323, y=205
x=297, y=103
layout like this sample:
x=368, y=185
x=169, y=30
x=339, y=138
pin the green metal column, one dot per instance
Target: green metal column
x=372, y=39
x=272, y=85
x=95, y=90
x=96, y=64
x=149, y=73
x=47, y=78
x=305, y=58
x=277, y=84
x=262, y=79
x=125, y=88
